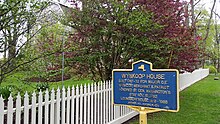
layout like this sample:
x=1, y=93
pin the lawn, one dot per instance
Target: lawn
x=18, y=83
x=199, y=104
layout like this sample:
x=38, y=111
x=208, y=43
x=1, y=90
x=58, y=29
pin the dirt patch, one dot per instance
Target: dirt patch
x=55, y=78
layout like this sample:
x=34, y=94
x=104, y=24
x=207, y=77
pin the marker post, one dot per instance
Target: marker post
x=143, y=116
x=143, y=113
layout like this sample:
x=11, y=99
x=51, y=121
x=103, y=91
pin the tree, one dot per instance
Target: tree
x=207, y=30
x=51, y=43
x=110, y=33
x=172, y=15
x=16, y=21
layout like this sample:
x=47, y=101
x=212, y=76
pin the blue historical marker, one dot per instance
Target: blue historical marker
x=143, y=86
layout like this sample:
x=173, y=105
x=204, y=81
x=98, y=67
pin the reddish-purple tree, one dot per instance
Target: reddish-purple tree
x=172, y=16
x=109, y=33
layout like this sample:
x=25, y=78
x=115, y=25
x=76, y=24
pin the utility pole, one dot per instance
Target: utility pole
x=217, y=40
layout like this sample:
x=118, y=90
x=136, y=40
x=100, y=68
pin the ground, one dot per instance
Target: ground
x=199, y=104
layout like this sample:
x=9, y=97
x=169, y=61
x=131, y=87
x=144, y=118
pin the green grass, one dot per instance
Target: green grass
x=199, y=104
x=17, y=81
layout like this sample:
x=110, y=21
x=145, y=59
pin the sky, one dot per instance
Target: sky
x=207, y=4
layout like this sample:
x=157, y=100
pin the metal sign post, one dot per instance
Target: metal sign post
x=145, y=89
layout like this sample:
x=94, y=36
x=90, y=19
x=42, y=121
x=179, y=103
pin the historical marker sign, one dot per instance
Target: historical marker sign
x=143, y=86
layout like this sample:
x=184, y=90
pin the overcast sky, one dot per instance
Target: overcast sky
x=208, y=4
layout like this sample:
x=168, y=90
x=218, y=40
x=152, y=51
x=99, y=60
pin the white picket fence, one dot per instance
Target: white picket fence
x=88, y=104
x=187, y=79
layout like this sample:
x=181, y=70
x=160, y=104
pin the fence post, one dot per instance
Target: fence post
x=18, y=109
x=57, y=117
x=52, y=114
x=92, y=105
x=63, y=105
x=10, y=110
x=1, y=110
x=46, y=108
x=40, y=111
x=98, y=93
x=101, y=102
x=26, y=108
x=73, y=105
x=104, y=102
x=95, y=104
x=77, y=104
x=68, y=106
x=111, y=107
x=85, y=106
x=89, y=104
x=81, y=104
x=33, y=109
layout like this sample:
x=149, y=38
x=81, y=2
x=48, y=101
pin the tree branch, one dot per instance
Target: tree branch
x=209, y=22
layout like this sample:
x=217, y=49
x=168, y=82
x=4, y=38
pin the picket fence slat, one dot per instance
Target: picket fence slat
x=18, y=109
x=111, y=105
x=104, y=103
x=40, y=107
x=92, y=105
x=77, y=104
x=101, y=103
x=10, y=110
x=33, y=109
x=85, y=104
x=107, y=103
x=88, y=105
x=52, y=107
x=98, y=110
x=81, y=105
x=57, y=110
x=1, y=110
x=68, y=106
x=46, y=113
x=95, y=105
x=73, y=105
x=26, y=108
x=63, y=106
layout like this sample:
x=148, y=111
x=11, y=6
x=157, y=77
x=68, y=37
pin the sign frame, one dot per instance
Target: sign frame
x=152, y=70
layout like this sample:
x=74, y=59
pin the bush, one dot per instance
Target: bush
x=5, y=91
x=211, y=68
x=42, y=86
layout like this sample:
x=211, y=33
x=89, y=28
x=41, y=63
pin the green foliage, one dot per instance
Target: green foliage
x=108, y=36
x=17, y=83
x=18, y=18
x=5, y=91
x=42, y=86
x=47, y=49
x=211, y=46
x=212, y=69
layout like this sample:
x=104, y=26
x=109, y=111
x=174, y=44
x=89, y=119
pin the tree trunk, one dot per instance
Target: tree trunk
x=207, y=31
x=12, y=53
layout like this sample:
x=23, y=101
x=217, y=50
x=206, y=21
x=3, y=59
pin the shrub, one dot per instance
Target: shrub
x=5, y=91
x=42, y=86
x=211, y=68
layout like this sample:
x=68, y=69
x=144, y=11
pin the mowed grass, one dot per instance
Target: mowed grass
x=199, y=104
x=17, y=81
